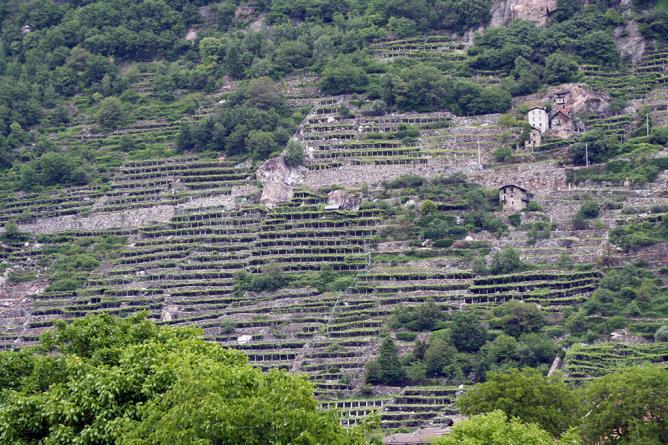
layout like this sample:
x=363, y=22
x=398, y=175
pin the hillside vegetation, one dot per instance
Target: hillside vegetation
x=334, y=222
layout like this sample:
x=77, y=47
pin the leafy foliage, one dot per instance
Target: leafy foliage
x=50, y=169
x=506, y=261
x=256, y=122
x=527, y=395
x=630, y=404
x=386, y=368
x=495, y=428
x=634, y=235
x=105, y=380
x=294, y=154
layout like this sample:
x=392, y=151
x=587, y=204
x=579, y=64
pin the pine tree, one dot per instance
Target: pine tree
x=390, y=370
x=184, y=141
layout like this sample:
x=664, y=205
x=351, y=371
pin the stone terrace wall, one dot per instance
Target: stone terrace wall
x=130, y=218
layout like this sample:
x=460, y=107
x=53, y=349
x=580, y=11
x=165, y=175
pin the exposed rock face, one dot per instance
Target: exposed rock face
x=191, y=35
x=581, y=98
x=343, y=200
x=278, y=180
x=536, y=11
x=243, y=11
x=169, y=312
x=629, y=41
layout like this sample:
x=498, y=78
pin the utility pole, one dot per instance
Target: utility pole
x=587, y=154
x=479, y=162
x=647, y=120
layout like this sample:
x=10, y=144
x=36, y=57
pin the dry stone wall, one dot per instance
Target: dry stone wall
x=131, y=218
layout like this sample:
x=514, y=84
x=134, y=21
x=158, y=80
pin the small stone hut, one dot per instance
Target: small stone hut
x=513, y=197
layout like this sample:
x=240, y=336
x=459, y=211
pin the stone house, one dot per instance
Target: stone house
x=538, y=118
x=561, y=98
x=562, y=124
x=513, y=197
x=535, y=138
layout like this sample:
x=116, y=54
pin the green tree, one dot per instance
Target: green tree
x=233, y=60
x=466, y=332
x=387, y=368
x=294, y=154
x=519, y=318
x=501, y=353
x=506, y=261
x=598, y=47
x=342, y=76
x=439, y=355
x=264, y=93
x=292, y=54
x=560, y=68
x=630, y=405
x=526, y=76
x=111, y=113
x=260, y=143
x=102, y=380
x=495, y=428
x=661, y=334
x=527, y=395
x=566, y=9
x=185, y=139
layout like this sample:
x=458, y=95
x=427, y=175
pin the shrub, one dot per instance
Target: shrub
x=519, y=318
x=466, y=332
x=271, y=278
x=12, y=232
x=589, y=209
x=661, y=334
x=111, y=113
x=406, y=336
x=533, y=206
x=294, y=154
x=579, y=222
x=506, y=261
x=503, y=154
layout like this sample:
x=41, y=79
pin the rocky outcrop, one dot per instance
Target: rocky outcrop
x=579, y=98
x=536, y=11
x=278, y=181
x=191, y=35
x=629, y=41
x=343, y=200
x=582, y=98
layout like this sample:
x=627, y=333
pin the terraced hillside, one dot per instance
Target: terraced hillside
x=354, y=198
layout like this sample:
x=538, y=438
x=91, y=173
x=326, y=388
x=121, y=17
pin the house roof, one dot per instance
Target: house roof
x=505, y=186
x=562, y=92
x=563, y=112
x=536, y=108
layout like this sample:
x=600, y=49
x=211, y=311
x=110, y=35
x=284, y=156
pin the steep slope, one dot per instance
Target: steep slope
x=193, y=208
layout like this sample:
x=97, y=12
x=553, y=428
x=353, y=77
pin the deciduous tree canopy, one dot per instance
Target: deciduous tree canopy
x=102, y=380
